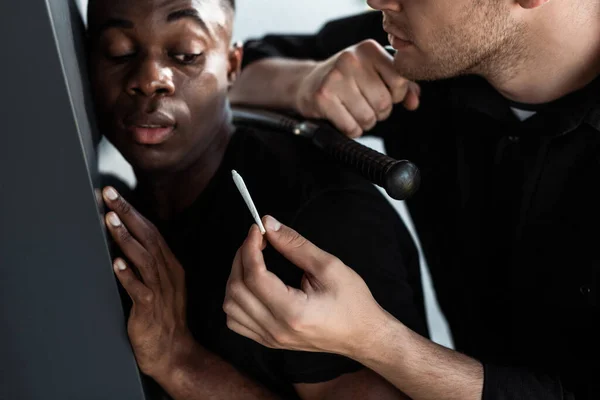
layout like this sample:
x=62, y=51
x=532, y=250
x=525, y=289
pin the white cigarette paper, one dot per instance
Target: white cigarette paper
x=239, y=182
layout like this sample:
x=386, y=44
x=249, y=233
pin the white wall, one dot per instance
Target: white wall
x=255, y=18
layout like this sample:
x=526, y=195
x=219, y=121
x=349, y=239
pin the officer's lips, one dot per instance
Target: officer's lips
x=396, y=37
x=398, y=43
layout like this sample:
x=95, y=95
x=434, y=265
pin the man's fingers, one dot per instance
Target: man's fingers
x=133, y=250
x=296, y=248
x=137, y=291
x=142, y=229
x=164, y=261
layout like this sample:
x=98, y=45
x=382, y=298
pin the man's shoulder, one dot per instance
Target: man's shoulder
x=285, y=158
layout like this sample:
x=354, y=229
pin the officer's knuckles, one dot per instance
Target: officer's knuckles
x=367, y=47
x=399, y=89
x=236, y=290
x=292, y=239
x=347, y=59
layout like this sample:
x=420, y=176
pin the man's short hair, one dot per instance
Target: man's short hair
x=229, y=3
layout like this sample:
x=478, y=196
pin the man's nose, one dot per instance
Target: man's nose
x=149, y=79
x=385, y=5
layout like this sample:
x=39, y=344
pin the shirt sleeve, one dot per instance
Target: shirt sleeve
x=333, y=37
x=512, y=383
x=362, y=229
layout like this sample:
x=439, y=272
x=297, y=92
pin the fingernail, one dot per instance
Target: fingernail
x=120, y=265
x=111, y=194
x=114, y=220
x=272, y=224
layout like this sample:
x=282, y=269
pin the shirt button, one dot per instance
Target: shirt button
x=585, y=290
x=588, y=294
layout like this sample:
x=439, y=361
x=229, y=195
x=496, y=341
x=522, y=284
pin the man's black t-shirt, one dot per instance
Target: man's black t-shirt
x=334, y=208
x=507, y=215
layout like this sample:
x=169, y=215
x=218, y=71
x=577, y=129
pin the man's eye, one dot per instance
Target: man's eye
x=121, y=57
x=186, y=58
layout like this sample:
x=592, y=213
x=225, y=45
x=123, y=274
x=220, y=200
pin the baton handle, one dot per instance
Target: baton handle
x=399, y=178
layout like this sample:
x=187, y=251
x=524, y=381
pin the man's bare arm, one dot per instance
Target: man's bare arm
x=363, y=384
x=163, y=346
x=203, y=375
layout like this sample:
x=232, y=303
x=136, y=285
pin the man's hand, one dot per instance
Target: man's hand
x=157, y=326
x=333, y=311
x=355, y=88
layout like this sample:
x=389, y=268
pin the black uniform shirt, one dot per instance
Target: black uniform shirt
x=508, y=215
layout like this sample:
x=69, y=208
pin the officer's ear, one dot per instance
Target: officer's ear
x=236, y=54
x=532, y=3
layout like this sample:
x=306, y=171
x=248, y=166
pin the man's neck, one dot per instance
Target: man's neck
x=562, y=55
x=166, y=194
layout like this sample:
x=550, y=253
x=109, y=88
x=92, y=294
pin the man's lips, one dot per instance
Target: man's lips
x=150, y=129
x=151, y=134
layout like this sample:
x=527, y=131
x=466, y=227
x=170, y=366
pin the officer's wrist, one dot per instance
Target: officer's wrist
x=375, y=336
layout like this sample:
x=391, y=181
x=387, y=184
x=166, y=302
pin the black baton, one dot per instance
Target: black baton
x=399, y=178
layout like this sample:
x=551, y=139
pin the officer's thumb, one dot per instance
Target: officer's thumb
x=293, y=246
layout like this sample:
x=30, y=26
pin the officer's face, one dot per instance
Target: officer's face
x=160, y=71
x=442, y=38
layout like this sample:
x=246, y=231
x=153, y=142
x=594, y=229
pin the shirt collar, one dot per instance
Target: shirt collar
x=557, y=117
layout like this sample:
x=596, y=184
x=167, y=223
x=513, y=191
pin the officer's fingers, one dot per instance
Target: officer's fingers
x=337, y=113
x=260, y=291
x=375, y=91
x=396, y=83
x=241, y=329
x=299, y=250
x=359, y=108
x=235, y=312
x=412, y=100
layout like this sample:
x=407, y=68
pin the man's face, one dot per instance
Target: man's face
x=437, y=39
x=160, y=73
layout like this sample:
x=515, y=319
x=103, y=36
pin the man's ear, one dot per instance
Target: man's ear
x=532, y=3
x=236, y=53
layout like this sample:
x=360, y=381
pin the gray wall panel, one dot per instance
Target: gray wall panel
x=62, y=331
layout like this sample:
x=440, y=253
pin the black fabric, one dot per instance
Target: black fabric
x=366, y=26
x=507, y=214
x=336, y=209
